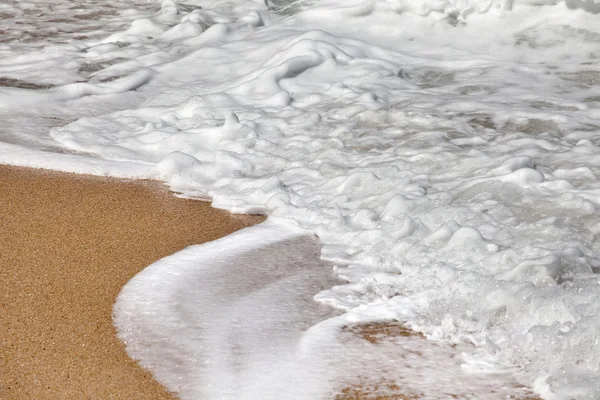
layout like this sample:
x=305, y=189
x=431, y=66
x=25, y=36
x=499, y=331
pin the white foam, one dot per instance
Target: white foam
x=444, y=152
x=217, y=321
x=235, y=319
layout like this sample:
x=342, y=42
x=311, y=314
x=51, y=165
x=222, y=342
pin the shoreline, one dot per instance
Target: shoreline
x=68, y=243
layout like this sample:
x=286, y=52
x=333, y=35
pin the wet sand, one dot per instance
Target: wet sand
x=68, y=243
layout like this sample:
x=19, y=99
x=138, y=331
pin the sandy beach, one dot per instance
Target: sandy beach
x=68, y=243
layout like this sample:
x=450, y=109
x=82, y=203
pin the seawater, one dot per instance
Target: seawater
x=445, y=152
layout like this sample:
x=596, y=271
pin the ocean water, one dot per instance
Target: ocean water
x=444, y=152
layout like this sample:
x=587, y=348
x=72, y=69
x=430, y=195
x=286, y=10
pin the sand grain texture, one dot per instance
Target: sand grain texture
x=68, y=244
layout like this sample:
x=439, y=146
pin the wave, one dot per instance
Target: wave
x=444, y=152
x=447, y=7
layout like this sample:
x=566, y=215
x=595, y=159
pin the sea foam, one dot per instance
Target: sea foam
x=445, y=153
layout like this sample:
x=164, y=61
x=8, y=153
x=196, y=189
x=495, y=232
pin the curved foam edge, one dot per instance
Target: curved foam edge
x=185, y=339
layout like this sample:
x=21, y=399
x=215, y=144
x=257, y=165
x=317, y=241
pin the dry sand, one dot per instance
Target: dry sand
x=68, y=244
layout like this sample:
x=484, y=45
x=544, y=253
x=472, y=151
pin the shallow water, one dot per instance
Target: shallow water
x=445, y=153
x=236, y=319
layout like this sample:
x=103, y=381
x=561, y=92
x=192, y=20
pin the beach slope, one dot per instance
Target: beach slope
x=68, y=243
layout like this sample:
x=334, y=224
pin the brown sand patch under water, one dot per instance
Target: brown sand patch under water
x=375, y=332
x=17, y=83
